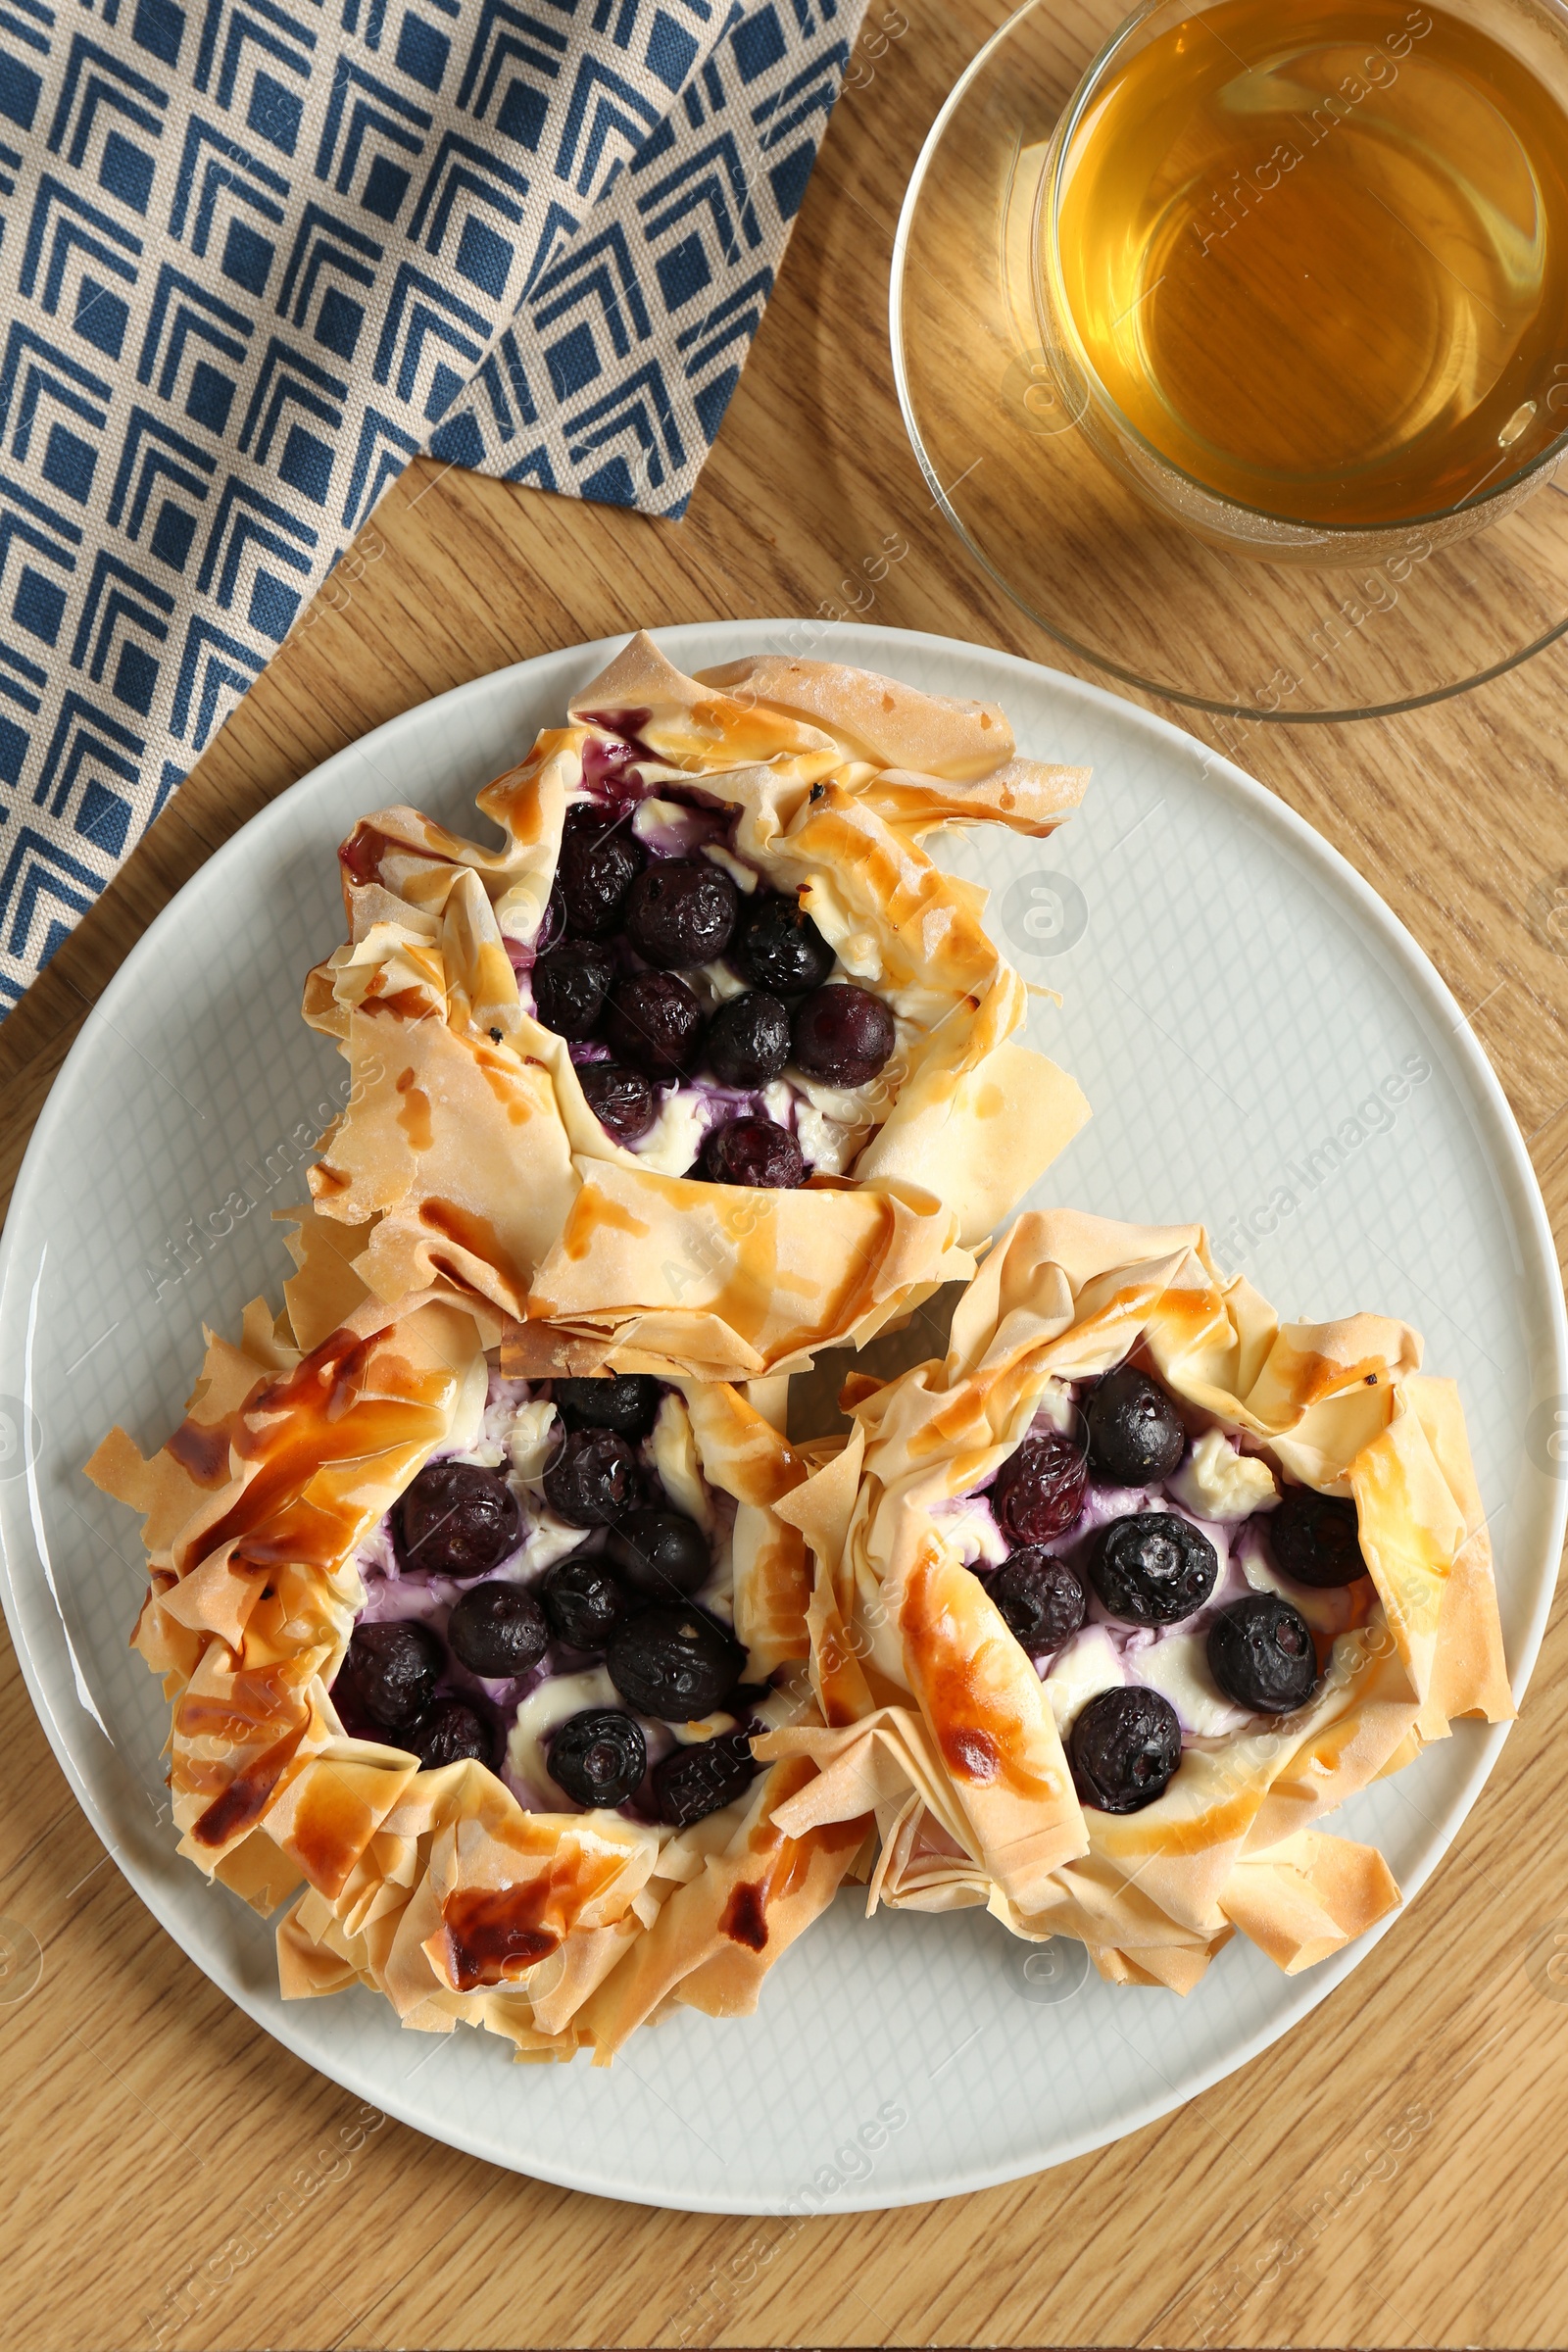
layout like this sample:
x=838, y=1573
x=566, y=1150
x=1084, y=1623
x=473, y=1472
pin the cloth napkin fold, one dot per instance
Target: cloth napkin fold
x=256, y=257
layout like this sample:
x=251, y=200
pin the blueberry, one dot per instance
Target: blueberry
x=655, y=1023
x=455, y=1732
x=571, y=985
x=344, y=1694
x=1124, y=1747
x=1039, y=1492
x=748, y=1039
x=456, y=1520
x=753, y=1152
x=674, y=1663
x=498, y=1631
x=681, y=914
x=1135, y=1432
x=779, y=948
x=1314, y=1538
x=621, y=1100
x=662, y=1553
x=594, y=1479
x=1040, y=1601
x=598, y=1756
x=552, y=928
x=697, y=1780
x=601, y=857
x=625, y=1401
x=393, y=1670
x=582, y=1602
x=1152, y=1568
x=843, y=1035
x=1261, y=1654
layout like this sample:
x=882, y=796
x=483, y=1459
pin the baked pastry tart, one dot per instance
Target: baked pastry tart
x=465, y=1668
x=1119, y=1602
x=707, y=1063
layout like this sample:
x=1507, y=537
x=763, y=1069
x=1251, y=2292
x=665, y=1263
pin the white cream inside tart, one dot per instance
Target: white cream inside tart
x=523, y=1616
x=830, y=1122
x=1219, y=1489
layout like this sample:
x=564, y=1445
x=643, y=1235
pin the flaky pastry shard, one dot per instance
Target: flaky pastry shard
x=560, y=1931
x=939, y=1723
x=468, y=1151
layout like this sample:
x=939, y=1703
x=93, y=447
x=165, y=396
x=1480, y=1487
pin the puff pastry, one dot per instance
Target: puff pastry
x=469, y=1152
x=971, y=1741
x=472, y=1890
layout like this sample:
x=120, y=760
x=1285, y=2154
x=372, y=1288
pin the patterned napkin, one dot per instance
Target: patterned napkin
x=258, y=254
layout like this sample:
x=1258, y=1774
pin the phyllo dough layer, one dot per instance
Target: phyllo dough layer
x=960, y=1725
x=266, y=1524
x=470, y=1150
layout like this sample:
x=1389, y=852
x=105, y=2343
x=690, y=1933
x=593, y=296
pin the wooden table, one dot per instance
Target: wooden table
x=1390, y=2175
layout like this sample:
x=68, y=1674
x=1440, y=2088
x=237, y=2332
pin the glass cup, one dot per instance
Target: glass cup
x=1531, y=441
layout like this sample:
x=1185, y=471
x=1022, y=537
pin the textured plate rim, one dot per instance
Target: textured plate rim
x=853, y=641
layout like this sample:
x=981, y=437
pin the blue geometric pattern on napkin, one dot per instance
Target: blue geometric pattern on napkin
x=253, y=257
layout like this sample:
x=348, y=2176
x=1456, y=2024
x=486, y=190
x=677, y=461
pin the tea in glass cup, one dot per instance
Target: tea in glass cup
x=1302, y=267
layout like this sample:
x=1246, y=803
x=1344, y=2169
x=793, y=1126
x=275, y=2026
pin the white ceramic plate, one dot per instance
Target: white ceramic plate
x=1233, y=993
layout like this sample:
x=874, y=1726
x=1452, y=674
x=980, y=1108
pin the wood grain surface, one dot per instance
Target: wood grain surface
x=1393, y=2172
